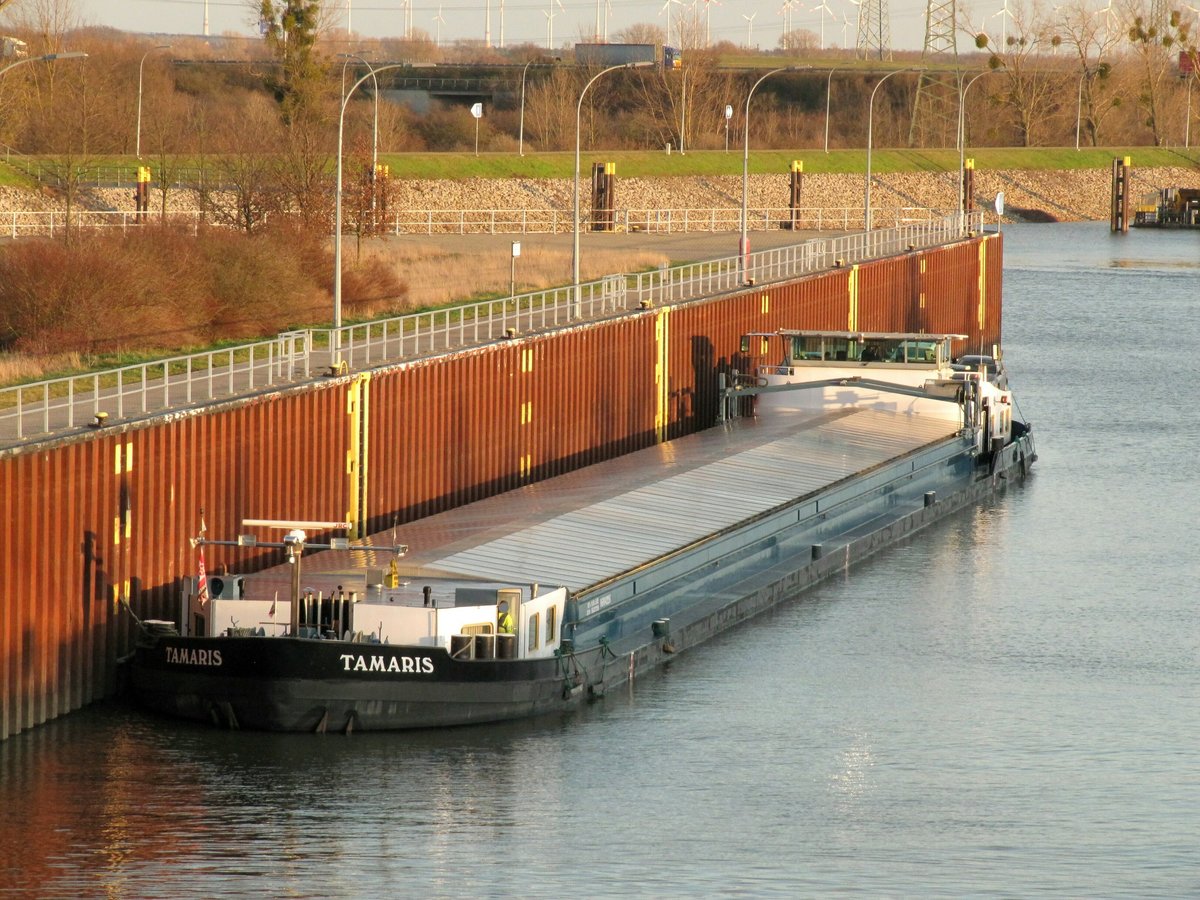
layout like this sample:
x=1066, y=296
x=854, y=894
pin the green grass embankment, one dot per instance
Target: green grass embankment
x=659, y=164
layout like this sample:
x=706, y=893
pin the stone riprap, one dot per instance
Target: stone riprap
x=1065, y=195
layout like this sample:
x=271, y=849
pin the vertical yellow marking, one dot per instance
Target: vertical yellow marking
x=766, y=303
x=116, y=530
x=527, y=412
x=364, y=452
x=982, y=313
x=527, y=360
x=662, y=337
x=117, y=460
x=128, y=523
x=525, y=465
x=922, y=299
x=356, y=412
x=852, y=287
x=923, y=261
x=129, y=457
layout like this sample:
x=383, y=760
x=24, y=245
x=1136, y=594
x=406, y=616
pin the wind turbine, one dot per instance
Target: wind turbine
x=438, y=22
x=550, y=23
x=708, y=21
x=846, y=24
x=667, y=9
x=821, y=10
x=785, y=10
x=1109, y=16
x=407, y=4
x=501, y=24
x=749, y=28
x=607, y=13
x=1005, y=16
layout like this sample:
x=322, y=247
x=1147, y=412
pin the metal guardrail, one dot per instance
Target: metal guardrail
x=71, y=403
x=651, y=221
x=52, y=222
x=508, y=221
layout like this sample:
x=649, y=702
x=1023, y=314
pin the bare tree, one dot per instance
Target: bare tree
x=550, y=108
x=1154, y=44
x=642, y=33
x=1093, y=45
x=1029, y=91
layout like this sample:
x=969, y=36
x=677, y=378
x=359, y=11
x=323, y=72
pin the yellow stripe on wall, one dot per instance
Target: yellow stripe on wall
x=852, y=289
x=662, y=380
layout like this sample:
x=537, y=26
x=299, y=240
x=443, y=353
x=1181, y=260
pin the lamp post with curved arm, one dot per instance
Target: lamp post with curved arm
x=578, y=118
x=521, y=129
x=962, y=136
x=138, y=139
x=870, y=128
x=337, y=215
x=375, y=123
x=48, y=57
x=828, y=93
x=744, y=241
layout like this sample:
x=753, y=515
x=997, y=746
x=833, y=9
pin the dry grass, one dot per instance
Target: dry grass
x=436, y=277
x=160, y=289
x=18, y=367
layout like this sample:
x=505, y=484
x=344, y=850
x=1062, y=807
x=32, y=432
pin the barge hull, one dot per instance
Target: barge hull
x=299, y=696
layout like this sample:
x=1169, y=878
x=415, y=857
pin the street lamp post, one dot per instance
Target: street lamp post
x=1187, y=122
x=744, y=242
x=1079, y=106
x=138, y=140
x=337, y=192
x=870, y=130
x=375, y=122
x=828, y=92
x=578, y=118
x=962, y=138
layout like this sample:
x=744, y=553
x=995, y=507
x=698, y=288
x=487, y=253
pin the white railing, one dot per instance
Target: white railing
x=51, y=222
x=654, y=221
x=19, y=223
x=65, y=404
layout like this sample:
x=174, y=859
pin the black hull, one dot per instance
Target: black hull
x=281, y=684
x=284, y=684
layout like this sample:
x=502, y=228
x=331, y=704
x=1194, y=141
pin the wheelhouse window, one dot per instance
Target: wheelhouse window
x=533, y=641
x=551, y=624
x=864, y=349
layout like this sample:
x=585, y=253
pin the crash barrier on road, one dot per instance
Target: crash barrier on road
x=95, y=399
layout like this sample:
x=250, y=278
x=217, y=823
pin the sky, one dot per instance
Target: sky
x=525, y=21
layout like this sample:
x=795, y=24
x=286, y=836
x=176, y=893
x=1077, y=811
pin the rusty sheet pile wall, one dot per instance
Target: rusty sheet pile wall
x=92, y=522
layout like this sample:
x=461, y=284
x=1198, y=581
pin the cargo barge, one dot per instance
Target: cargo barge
x=1172, y=207
x=533, y=601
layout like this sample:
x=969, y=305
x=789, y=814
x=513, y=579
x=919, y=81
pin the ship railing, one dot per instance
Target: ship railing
x=93, y=399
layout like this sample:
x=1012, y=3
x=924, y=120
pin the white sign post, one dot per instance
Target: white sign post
x=728, y=116
x=477, y=112
x=512, y=278
x=999, y=209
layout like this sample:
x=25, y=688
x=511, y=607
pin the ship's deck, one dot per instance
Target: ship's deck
x=581, y=528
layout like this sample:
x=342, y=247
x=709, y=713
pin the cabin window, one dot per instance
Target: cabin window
x=534, y=634
x=551, y=624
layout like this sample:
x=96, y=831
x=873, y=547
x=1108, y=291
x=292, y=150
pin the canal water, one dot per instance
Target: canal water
x=1004, y=706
